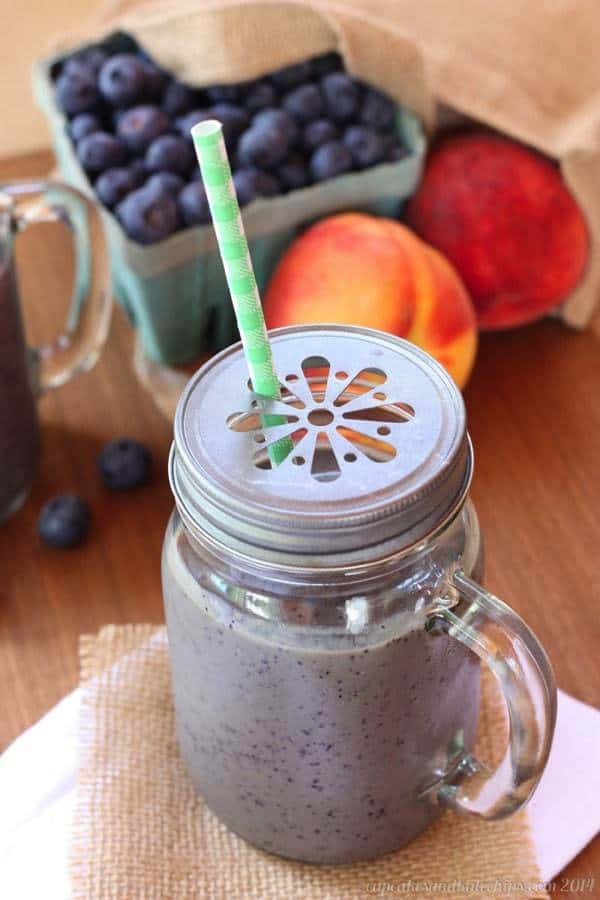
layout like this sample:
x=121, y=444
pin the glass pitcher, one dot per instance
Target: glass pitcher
x=28, y=372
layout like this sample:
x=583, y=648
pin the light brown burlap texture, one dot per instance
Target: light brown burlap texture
x=141, y=832
x=529, y=69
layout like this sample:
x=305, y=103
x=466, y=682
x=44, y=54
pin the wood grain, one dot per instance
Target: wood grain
x=534, y=412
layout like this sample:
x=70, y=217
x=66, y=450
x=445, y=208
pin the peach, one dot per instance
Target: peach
x=502, y=214
x=357, y=269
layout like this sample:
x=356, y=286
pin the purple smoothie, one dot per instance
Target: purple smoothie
x=19, y=429
x=312, y=748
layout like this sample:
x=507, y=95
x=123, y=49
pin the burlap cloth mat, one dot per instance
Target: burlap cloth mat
x=140, y=831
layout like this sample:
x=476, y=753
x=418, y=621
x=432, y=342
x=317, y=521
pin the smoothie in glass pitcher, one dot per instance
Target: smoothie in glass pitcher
x=27, y=372
x=19, y=429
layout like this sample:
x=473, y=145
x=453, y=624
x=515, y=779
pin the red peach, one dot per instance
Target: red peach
x=502, y=214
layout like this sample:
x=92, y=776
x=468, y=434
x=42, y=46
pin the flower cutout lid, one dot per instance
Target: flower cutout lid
x=375, y=449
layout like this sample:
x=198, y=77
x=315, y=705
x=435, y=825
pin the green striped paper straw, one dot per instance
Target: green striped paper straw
x=233, y=247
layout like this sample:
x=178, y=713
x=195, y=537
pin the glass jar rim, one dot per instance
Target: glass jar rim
x=373, y=506
x=246, y=555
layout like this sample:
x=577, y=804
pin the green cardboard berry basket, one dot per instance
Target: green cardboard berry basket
x=174, y=291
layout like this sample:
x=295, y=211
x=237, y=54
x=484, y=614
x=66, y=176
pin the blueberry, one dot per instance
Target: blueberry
x=148, y=215
x=292, y=76
x=264, y=146
x=122, y=79
x=251, y=183
x=377, y=111
x=156, y=79
x=223, y=93
x=113, y=185
x=259, y=95
x=233, y=119
x=305, y=103
x=178, y=99
x=84, y=124
x=76, y=92
x=367, y=147
x=396, y=152
x=193, y=204
x=388, y=140
x=319, y=132
x=169, y=154
x=166, y=181
x=279, y=118
x=330, y=160
x=64, y=521
x=92, y=59
x=100, y=151
x=124, y=464
x=115, y=117
x=342, y=96
x=326, y=64
x=293, y=172
x=138, y=172
x=185, y=123
x=140, y=125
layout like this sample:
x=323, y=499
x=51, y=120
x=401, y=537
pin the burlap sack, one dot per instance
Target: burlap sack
x=530, y=70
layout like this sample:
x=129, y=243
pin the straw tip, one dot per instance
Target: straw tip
x=208, y=131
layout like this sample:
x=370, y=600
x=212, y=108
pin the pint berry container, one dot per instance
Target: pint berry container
x=174, y=291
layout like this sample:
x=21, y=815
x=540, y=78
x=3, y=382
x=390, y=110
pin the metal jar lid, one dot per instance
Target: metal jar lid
x=379, y=455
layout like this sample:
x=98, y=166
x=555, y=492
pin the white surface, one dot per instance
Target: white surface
x=564, y=812
x=37, y=792
x=37, y=795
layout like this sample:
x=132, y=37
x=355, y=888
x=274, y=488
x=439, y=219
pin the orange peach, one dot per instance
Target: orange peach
x=357, y=269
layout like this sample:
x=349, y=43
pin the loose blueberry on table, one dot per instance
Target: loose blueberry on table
x=124, y=464
x=130, y=122
x=64, y=521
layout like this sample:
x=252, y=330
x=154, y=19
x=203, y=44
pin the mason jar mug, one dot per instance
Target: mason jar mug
x=325, y=616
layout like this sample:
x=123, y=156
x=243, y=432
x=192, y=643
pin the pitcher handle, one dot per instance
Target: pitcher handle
x=501, y=639
x=77, y=347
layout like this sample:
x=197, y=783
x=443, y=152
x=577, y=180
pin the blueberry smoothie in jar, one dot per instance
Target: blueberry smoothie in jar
x=325, y=633
x=310, y=746
x=19, y=429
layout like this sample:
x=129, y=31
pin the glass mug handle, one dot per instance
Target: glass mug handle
x=501, y=639
x=78, y=346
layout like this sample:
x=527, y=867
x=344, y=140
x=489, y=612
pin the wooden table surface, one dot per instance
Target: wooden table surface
x=534, y=414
